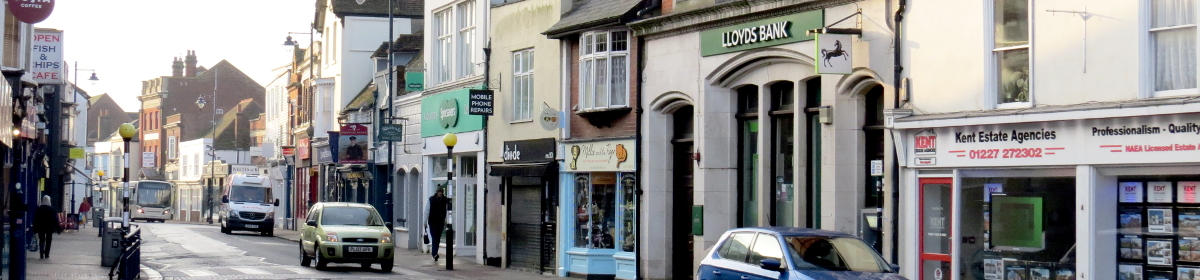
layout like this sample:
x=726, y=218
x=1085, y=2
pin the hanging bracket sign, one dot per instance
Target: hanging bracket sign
x=480, y=102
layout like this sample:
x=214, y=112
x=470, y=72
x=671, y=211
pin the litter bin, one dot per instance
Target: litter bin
x=110, y=245
x=97, y=217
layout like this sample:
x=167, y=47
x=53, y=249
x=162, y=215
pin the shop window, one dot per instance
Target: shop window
x=783, y=159
x=1017, y=226
x=595, y=202
x=748, y=155
x=1158, y=220
x=1011, y=50
x=1173, y=41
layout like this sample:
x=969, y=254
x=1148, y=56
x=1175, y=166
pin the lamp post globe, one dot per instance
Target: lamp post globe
x=101, y=173
x=127, y=131
x=450, y=140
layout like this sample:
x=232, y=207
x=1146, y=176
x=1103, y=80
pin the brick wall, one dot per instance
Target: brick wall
x=623, y=126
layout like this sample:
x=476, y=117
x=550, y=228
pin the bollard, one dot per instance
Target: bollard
x=449, y=247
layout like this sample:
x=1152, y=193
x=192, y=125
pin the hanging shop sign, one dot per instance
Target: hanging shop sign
x=761, y=33
x=1132, y=140
x=304, y=148
x=77, y=153
x=31, y=11
x=352, y=144
x=833, y=53
x=480, y=102
x=414, y=81
x=324, y=154
x=47, y=56
x=442, y=113
x=526, y=151
x=390, y=132
x=550, y=119
x=601, y=156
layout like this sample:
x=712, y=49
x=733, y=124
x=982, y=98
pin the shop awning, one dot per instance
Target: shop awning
x=524, y=169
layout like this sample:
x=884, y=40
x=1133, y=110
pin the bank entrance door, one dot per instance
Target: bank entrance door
x=936, y=208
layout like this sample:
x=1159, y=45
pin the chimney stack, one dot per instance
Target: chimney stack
x=177, y=68
x=191, y=63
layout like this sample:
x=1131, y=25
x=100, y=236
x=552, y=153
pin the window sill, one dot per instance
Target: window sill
x=1014, y=105
x=521, y=121
x=1172, y=93
x=603, y=117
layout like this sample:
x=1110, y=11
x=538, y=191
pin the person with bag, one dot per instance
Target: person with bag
x=46, y=224
x=435, y=219
x=84, y=208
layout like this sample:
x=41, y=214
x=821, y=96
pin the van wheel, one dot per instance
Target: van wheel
x=225, y=230
x=366, y=265
x=270, y=232
x=304, y=259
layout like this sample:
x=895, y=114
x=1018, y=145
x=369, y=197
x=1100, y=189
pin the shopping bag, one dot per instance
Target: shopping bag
x=425, y=235
x=33, y=243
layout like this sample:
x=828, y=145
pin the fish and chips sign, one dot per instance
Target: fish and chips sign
x=47, y=56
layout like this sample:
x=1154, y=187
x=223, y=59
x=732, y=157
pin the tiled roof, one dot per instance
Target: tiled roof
x=378, y=8
x=591, y=14
x=404, y=43
x=365, y=97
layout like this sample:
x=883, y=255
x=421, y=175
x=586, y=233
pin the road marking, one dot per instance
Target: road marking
x=248, y=270
x=197, y=272
x=299, y=270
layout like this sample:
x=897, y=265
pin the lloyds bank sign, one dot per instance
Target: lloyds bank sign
x=761, y=33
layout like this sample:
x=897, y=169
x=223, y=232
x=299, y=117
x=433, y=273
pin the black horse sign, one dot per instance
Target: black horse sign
x=833, y=54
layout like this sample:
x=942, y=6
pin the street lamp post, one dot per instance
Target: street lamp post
x=450, y=140
x=127, y=132
x=200, y=103
x=75, y=98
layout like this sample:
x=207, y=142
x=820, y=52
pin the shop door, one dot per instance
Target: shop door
x=549, y=226
x=525, y=226
x=936, y=207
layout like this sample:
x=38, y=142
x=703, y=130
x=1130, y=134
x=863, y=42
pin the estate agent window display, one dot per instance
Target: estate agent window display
x=1018, y=228
x=1158, y=227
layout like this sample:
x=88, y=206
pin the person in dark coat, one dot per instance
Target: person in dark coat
x=46, y=224
x=435, y=218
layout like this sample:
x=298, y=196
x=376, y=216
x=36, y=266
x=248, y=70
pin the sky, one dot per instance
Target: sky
x=131, y=41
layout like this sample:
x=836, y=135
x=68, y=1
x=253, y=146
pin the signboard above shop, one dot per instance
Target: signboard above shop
x=446, y=112
x=614, y=155
x=761, y=33
x=526, y=151
x=1132, y=140
x=47, y=65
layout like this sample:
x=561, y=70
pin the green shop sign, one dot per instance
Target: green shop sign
x=761, y=33
x=446, y=112
x=414, y=81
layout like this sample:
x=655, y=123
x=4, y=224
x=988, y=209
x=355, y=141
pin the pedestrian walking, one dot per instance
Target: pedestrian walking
x=435, y=218
x=46, y=224
x=84, y=208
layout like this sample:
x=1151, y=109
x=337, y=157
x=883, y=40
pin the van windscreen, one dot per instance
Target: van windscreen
x=249, y=194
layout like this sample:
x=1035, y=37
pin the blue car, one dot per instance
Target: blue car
x=793, y=254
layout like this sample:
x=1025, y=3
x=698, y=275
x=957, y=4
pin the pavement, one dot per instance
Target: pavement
x=166, y=255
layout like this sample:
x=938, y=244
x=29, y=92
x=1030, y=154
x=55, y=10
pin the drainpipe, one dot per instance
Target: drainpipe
x=896, y=104
x=637, y=219
x=487, y=67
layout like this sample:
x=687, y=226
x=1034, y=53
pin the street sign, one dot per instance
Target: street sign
x=390, y=132
x=481, y=102
x=877, y=167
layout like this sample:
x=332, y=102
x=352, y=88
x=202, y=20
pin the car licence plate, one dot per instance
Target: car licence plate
x=360, y=249
x=251, y=226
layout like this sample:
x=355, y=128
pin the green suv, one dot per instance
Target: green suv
x=346, y=233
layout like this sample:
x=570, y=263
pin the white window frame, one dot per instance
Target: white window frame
x=589, y=70
x=171, y=145
x=522, y=92
x=465, y=13
x=444, y=42
x=993, y=69
x=1149, y=63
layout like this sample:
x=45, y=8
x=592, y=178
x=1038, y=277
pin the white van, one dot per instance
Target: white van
x=247, y=204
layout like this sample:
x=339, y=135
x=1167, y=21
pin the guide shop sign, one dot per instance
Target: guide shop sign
x=31, y=11
x=47, y=56
x=1131, y=140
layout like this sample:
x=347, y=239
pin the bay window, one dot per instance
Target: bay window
x=604, y=70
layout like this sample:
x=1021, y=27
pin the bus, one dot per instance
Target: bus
x=150, y=201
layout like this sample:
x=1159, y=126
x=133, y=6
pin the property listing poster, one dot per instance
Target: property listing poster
x=1159, y=192
x=1131, y=192
x=1187, y=192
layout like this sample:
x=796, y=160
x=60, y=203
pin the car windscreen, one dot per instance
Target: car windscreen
x=153, y=194
x=834, y=253
x=250, y=194
x=350, y=216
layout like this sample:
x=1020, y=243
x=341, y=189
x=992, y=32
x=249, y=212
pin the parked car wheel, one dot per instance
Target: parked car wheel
x=321, y=262
x=386, y=265
x=225, y=230
x=366, y=265
x=304, y=259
